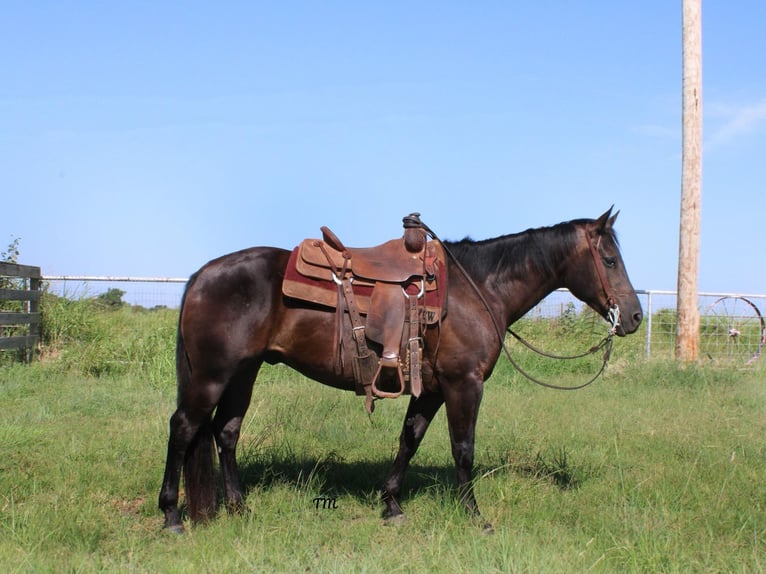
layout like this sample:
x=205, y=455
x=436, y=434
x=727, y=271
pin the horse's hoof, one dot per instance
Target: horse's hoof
x=175, y=528
x=394, y=520
x=487, y=528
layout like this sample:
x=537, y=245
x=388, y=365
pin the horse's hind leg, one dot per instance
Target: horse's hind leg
x=226, y=426
x=420, y=413
x=184, y=427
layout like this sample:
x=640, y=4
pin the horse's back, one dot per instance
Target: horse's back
x=242, y=274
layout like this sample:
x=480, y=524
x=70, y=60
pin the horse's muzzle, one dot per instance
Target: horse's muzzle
x=629, y=323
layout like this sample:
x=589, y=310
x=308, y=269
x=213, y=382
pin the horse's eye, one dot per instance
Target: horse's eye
x=610, y=262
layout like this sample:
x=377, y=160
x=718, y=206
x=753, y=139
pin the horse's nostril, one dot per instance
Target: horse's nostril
x=638, y=316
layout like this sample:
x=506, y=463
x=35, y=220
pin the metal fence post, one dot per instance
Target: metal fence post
x=648, y=324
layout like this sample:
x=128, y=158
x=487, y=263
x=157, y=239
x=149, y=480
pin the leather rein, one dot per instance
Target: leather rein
x=613, y=317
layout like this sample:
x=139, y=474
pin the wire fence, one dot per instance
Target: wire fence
x=146, y=292
x=731, y=326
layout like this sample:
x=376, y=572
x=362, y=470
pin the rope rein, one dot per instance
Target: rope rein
x=613, y=317
x=606, y=344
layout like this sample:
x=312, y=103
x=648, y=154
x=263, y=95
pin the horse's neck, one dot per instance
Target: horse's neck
x=524, y=296
x=527, y=269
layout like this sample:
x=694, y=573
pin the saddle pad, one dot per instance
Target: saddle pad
x=313, y=284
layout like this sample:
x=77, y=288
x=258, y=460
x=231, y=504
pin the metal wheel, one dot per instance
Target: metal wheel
x=732, y=330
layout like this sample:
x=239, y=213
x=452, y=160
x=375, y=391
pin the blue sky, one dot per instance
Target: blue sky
x=145, y=138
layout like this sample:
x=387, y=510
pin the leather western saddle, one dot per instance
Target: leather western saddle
x=390, y=293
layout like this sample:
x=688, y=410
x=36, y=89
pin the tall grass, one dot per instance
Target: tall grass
x=86, y=336
x=654, y=468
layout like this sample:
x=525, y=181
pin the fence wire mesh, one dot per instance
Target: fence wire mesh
x=731, y=324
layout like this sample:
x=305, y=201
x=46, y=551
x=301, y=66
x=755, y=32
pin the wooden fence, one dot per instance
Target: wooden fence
x=20, y=323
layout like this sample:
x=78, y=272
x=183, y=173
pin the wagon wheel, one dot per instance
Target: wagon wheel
x=732, y=330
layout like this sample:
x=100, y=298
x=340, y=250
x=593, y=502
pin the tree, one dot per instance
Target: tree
x=112, y=298
x=11, y=255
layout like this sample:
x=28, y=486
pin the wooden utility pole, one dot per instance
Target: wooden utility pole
x=688, y=326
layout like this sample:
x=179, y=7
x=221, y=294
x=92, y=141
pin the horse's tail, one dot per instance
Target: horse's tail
x=199, y=475
x=198, y=468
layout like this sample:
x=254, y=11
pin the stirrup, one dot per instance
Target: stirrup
x=385, y=394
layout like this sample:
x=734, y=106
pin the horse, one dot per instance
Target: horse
x=234, y=317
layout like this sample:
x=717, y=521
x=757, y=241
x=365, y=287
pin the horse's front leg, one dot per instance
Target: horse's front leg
x=420, y=413
x=462, y=402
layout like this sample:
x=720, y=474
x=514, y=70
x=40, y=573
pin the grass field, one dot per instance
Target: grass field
x=654, y=468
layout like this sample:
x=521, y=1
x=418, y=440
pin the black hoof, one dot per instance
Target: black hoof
x=392, y=513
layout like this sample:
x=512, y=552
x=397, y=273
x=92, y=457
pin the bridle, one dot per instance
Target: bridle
x=601, y=271
x=612, y=316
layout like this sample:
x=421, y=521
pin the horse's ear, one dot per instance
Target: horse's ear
x=605, y=221
x=611, y=220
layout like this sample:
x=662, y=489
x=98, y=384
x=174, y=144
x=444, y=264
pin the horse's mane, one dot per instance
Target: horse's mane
x=540, y=250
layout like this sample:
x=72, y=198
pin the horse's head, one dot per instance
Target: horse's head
x=598, y=276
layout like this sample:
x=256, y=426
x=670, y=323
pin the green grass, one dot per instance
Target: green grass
x=654, y=468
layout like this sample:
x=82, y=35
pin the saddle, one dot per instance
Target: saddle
x=390, y=292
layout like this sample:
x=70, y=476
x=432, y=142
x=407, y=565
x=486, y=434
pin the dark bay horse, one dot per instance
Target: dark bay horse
x=234, y=317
